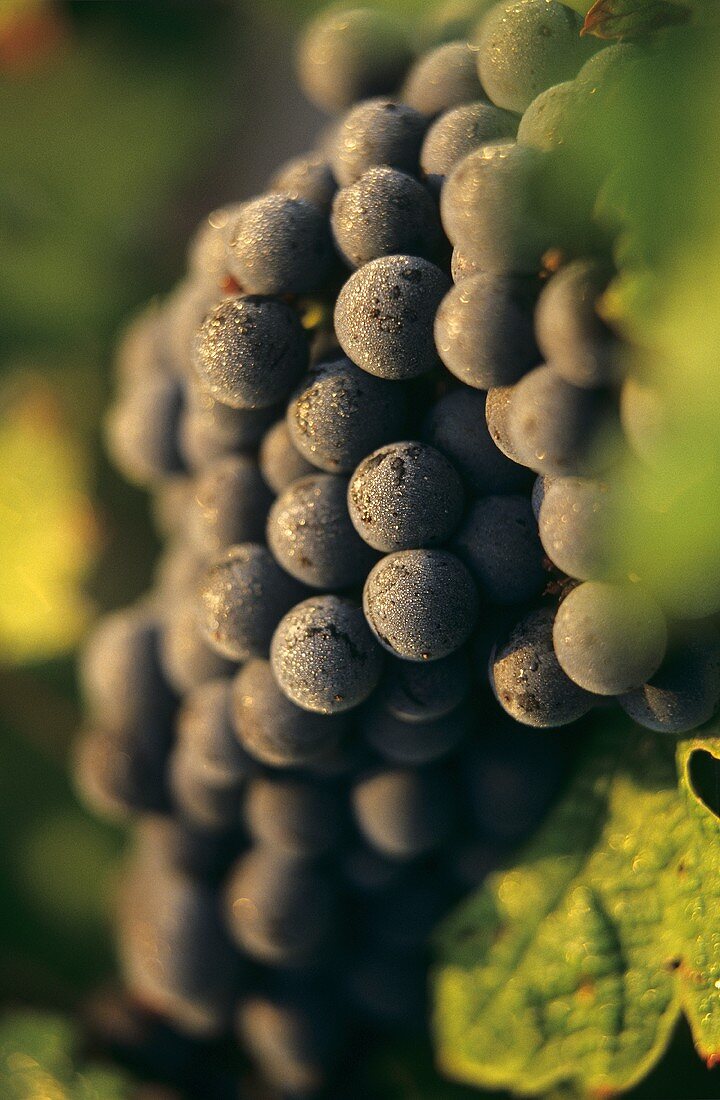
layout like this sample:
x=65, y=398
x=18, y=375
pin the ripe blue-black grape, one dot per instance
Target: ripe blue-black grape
x=456, y=426
x=384, y=316
x=209, y=429
x=459, y=132
x=484, y=330
x=121, y=676
x=580, y=525
x=425, y=692
x=310, y=534
x=376, y=132
x=294, y=816
x=569, y=330
x=140, y=429
x=174, y=953
x=527, y=45
x=306, y=177
x=405, y=496
x=421, y=604
x=293, y=1037
x=340, y=413
x=324, y=656
x=205, y=731
x=229, y=504
x=685, y=691
x=404, y=812
x=528, y=681
x=186, y=658
x=241, y=599
x=499, y=544
x=274, y=730
x=280, y=910
x=250, y=351
x=559, y=429
x=201, y=797
x=348, y=55
x=609, y=638
x=280, y=461
x=413, y=743
x=442, y=78
x=491, y=210
x=384, y=212
x=279, y=245
x=180, y=848
x=119, y=773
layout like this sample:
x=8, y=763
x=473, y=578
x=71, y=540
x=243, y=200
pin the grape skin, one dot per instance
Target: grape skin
x=609, y=638
x=279, y=245
x=385, y=212
x=384, y=316
x=280, y=461
x=442, y=78
x=456, y=425
x=349, y=55
x=491, y=211
x=229, y=504
x=340, y=413
x=242, y=597
x=570, y=332
x=556, y=428
x=272, y=729
x=250, y=351
x=311, y=536
x=457, y=133
x=404, y=496
x=684, y=692
x=324, y=656
x=378, y=132
x=402, y=812
x=421, y=604
x=580, y=523
x=499, y=544
x=526, y=46
x=484, y=330
x=527, y=680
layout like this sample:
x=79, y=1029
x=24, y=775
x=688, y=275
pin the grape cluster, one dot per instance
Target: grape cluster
x=379, y=420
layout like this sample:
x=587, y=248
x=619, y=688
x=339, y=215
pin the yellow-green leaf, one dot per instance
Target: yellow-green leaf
x=573, y=967
x=48, y=534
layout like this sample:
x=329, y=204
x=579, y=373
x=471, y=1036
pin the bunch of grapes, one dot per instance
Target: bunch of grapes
x=381, y=420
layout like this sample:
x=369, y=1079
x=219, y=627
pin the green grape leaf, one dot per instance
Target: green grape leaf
x=38, y=1059
x=573, y=967
x=611, y=19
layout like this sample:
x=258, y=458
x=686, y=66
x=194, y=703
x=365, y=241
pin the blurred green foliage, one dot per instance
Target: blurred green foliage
x=39, y=1061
